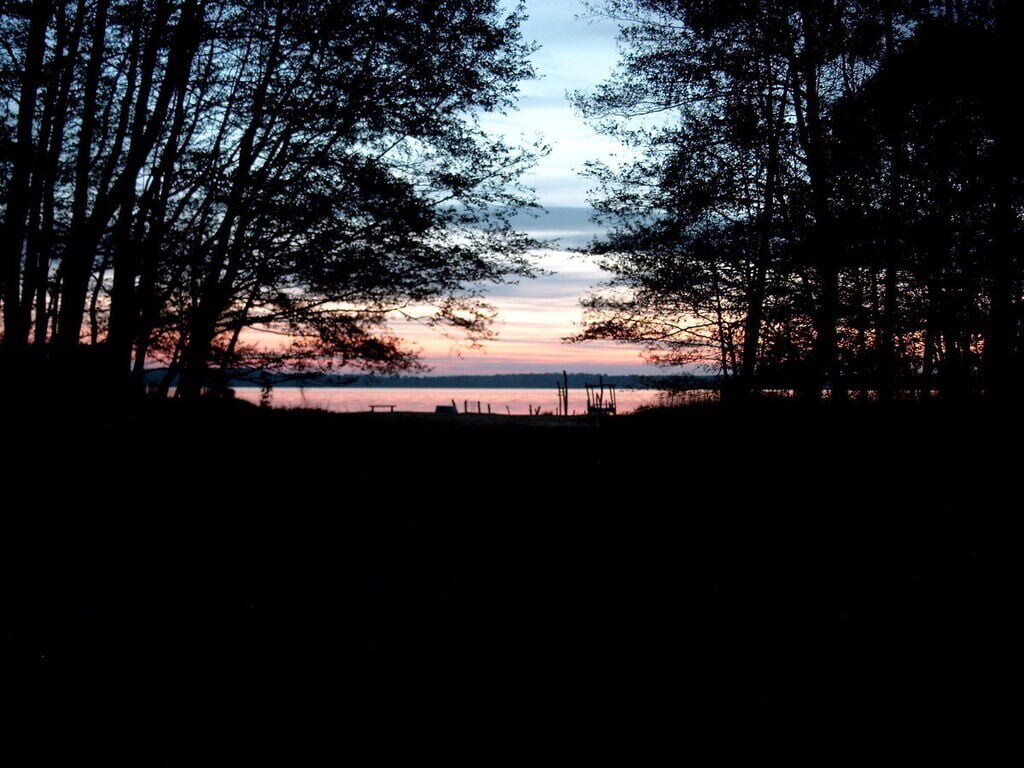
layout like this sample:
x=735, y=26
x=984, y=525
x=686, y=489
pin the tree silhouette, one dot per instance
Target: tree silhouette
x=176, y=173
x=823, y=195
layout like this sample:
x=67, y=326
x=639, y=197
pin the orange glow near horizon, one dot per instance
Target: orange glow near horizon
x=533, y=319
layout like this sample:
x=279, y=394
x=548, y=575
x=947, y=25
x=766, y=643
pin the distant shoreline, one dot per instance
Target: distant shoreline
x=316, y=385
x=503, y=381
x=576, y=381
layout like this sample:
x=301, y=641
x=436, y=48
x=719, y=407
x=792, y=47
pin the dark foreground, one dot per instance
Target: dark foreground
x=837, y=571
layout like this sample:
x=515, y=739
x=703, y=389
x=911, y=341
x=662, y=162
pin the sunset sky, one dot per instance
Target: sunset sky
x=576, y=52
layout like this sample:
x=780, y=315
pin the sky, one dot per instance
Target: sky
x=576, y=53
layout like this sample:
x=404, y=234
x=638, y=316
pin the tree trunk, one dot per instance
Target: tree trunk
x=153, y=207
x=824, y=243
x=928, y=355
x=195, y=358
x=122, y=192
x=76, y=263
x=756, y=299
x=13, y=232
x=890, y=305
x=228, y=242
x=42, y=237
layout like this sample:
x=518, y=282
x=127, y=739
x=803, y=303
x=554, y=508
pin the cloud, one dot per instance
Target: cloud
x=576, y=53
x=569, y=227
x=535, y=315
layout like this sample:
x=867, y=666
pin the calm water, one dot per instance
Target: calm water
x=515, y=401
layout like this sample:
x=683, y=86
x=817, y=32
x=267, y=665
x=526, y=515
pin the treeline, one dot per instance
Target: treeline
x=182, y=178
x=495, y=381
x=827, y=193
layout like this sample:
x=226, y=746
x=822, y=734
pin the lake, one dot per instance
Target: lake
x=515, y=401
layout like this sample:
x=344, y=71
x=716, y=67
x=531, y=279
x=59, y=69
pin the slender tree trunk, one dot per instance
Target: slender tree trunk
x=753, y=321
x=122, y=192
x=153, y=207
x=196, y=354
x=824, y=243
x=228, y=242
x=94, y=300
x=44, y=169
x=765, y=226
x=928, y=354
x=826, y=341
x=32, y=270
x=890, y=306
x=13, y=231
x=123, y=310
x=37, y=284
x=76, y=263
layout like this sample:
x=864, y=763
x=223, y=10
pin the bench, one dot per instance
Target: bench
x=373, y=408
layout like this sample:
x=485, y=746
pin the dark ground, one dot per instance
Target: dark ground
x=849, y=569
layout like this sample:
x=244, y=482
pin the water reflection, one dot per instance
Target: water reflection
x=517, y=402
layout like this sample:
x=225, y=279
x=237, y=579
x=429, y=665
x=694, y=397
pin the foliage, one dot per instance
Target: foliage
x=178, y=174
x=822, y=193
